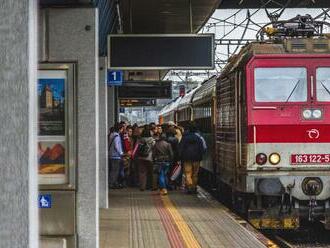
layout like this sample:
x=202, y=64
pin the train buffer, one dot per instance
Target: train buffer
x=146, y=219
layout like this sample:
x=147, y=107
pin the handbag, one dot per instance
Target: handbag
x=176, y=171
x=135, y=149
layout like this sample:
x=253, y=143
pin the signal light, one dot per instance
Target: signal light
x=274, y=158
x=261, y=158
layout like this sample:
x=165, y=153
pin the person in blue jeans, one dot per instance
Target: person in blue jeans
x=115, y=155
x=163, y=157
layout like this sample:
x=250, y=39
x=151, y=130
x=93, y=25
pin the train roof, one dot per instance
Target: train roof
x=170, y=106
x=206, y=91
x=187, y=99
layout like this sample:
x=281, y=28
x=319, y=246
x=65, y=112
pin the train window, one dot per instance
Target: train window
x=280, y=84
x=323, y=84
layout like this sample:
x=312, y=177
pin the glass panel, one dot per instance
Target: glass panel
x=323, y=84
x=280, y=84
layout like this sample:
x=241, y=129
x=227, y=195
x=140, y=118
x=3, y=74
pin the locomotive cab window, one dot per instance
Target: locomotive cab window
x=323, y=84
x=281, y=84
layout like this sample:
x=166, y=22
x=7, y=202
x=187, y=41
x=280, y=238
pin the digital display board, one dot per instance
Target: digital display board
x=145, y=90
x=137, y=102
x=177, y=51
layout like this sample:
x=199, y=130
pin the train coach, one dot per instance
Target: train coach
x=169, y=112
x=184, y=110
x=198, y=105
x=204, y=115
x=273, y=133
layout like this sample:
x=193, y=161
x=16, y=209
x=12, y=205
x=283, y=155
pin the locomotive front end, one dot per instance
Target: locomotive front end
x=288, y=139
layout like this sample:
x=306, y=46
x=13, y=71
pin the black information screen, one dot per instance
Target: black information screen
x=161, y=52
x=146, y=90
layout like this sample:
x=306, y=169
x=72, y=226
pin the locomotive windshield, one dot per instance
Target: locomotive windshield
x=323, y=84
x=281, y=84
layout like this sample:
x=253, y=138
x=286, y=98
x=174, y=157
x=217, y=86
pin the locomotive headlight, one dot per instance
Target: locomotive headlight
x=317, y=113
x=261, y=158
x=274, y=158
x=307, y=113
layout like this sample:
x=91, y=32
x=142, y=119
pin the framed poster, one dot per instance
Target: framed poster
x=56, y=149
x=51, y=100
x=52, y=162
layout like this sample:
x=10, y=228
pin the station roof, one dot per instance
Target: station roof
x=165, y=16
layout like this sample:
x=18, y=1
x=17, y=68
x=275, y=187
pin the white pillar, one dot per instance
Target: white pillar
x=103, y=131
x=18, y=118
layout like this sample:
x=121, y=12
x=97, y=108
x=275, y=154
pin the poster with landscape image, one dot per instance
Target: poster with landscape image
x=51, y=157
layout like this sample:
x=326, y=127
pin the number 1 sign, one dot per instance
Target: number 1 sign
x=115, y=78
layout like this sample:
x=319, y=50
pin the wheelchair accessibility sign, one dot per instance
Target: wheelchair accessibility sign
x=45, y=201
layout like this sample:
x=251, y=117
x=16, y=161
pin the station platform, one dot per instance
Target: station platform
x=145, y=219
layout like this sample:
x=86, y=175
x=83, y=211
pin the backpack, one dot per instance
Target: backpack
x=143, y=149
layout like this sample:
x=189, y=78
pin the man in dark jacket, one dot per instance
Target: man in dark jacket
x=191, y=152
x=163, y=157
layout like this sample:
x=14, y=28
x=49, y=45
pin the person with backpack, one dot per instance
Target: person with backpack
x=191, y=151
x=175, y=168
x=163, y=156
x=144, y=157
x=115, y=155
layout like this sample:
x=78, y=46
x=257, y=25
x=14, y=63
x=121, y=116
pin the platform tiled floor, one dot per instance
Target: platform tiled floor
x=146, y=220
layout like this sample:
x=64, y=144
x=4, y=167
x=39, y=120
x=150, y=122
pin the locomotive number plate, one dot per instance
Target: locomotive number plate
x=310, y=159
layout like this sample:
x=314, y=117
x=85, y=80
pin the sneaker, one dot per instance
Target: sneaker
x=163, y=191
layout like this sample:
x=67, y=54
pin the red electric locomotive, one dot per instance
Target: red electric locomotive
x=273, y=131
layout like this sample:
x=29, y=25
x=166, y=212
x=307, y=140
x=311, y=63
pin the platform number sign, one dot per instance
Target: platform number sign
x=45, y=201
x=115, y=78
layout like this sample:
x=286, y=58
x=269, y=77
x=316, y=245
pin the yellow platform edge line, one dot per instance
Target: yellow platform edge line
x=186, y=233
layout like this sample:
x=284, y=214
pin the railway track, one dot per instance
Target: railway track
x=310, y=235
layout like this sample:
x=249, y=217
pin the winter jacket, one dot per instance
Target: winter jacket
x=150, y=141
x=162, y=151
x=115, y=146
x=175, y=147
x=128, y=143
x=203, y=141
x=191, y=147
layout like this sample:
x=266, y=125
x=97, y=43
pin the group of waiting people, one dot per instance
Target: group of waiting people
x=151, y=156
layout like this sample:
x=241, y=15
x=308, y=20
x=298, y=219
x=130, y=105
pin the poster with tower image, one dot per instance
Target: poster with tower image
x=51, y=99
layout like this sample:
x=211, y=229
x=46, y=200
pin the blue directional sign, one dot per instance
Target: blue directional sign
x=115, y=78
x=45, y=201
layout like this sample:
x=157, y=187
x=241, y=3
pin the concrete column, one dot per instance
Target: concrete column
x=111, y=106
x=18, y=117
x=103, y=132
x=73, y=36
